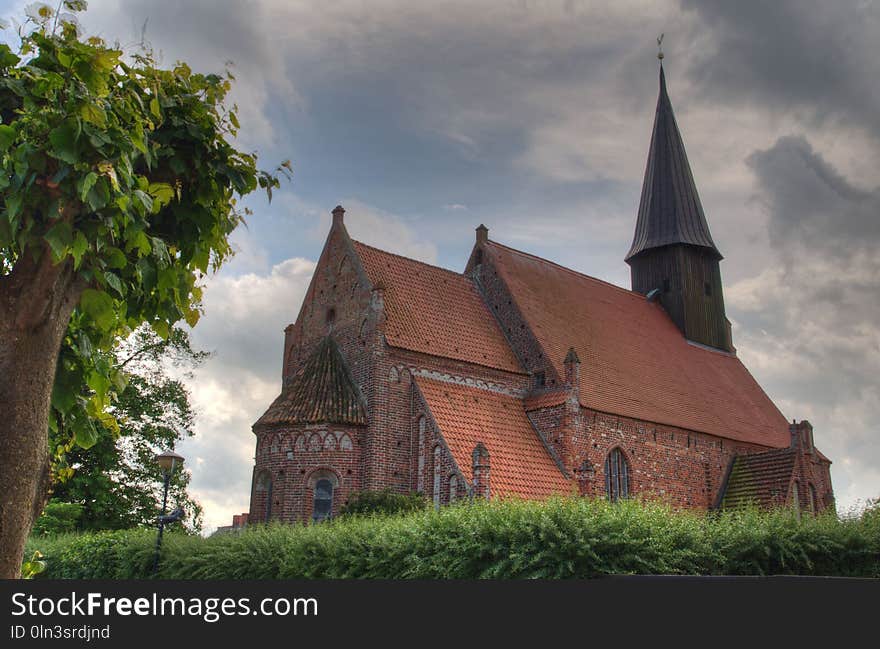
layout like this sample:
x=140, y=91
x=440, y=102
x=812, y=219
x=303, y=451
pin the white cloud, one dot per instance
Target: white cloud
x=243, y=325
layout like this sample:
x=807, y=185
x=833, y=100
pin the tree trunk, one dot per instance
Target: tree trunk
x=36, y=300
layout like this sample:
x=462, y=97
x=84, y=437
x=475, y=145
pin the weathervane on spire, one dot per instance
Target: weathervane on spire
x=660, y=48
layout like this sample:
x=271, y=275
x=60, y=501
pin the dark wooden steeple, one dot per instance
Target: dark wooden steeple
x=672, y=249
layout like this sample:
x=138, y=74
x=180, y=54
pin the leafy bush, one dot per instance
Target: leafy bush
x=384, y=501
x=560, y=538
x=58, y=518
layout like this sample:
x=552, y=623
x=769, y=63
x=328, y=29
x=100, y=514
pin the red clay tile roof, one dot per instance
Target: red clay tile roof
x=519, y=463
x=762, y=479
x=546, y=400
x=322, y=390
x=634, y=360
x=436, y=311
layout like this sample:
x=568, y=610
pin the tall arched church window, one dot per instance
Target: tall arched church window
x=453, y=487
x=616, y=475
x=814, y=503
x=420, y=449
x=264, y=489
x=795, y=497
x=323, y=504
x=437, y=474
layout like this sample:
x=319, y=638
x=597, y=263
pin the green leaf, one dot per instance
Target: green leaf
x=59, y=237
x=161, y=328
x=154, y=108
x=113, y=282
x=141, y=242
x=160, y=250
x=64, y=141
x=99, y=194
x=106, y=60
x=192, y=316
x=85, y=434
x=13, y=205
x=115, y=258
x=100, y=307
x=162, y=194
x=7, y=137
x=78, y=249
x=137, y=138
x=99, y=382
x=87, y=183
x=94, y=115
x=144, y=199
x=7, y=58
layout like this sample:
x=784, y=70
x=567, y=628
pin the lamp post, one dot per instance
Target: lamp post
x=168, y=461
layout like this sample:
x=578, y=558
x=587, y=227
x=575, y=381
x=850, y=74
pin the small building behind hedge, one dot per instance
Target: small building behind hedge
x=521, y=377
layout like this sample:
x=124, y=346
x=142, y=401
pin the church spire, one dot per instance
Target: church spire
x=673, y=257
x=670, y=211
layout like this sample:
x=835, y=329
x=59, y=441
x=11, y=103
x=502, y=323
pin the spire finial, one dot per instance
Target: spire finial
x=660, y=48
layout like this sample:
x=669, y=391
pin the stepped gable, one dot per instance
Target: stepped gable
x=321, y=391
x=634, y=360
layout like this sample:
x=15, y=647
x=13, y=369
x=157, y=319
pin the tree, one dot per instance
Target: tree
x=119, y=188
x=116, y=483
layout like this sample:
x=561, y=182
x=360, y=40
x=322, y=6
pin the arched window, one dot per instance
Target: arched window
x=436, y=493
x=323, y=505
x=795, y=497
x=814, y=502
x=323, y=484
x=453, y=487
x=616, y=475
x=420, y=449
x=264, y=489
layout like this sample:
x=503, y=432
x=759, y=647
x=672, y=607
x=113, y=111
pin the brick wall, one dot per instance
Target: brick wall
x=811, y=471
x=293, y=457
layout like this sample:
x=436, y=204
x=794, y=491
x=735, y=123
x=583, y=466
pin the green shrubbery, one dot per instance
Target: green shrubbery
x=58, y=518
x=562, y=538
x=384, y=501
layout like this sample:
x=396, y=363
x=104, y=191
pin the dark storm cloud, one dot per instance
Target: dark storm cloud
x=818, y=305
x=814, y=56
x=812, y=206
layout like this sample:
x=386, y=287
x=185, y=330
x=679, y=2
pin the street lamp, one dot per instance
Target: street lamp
x=168, y=461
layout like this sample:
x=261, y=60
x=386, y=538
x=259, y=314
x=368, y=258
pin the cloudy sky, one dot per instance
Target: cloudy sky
x=425, y=119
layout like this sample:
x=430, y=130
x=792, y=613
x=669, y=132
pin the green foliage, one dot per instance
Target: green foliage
x=124, y=172
x=117, y=481
x=385, y=501
x=33, y=567
x=58, y=518
x=561, y=538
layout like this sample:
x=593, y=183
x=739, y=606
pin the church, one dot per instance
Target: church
x=521, y=378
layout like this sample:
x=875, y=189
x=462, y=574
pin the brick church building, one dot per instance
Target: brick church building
x=519, y=377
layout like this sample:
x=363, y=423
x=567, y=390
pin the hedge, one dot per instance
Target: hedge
x=559, y=538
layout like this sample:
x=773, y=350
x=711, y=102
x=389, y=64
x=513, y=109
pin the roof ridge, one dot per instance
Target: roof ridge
x=763, y=454
x=569, y=270
x=415, y=261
